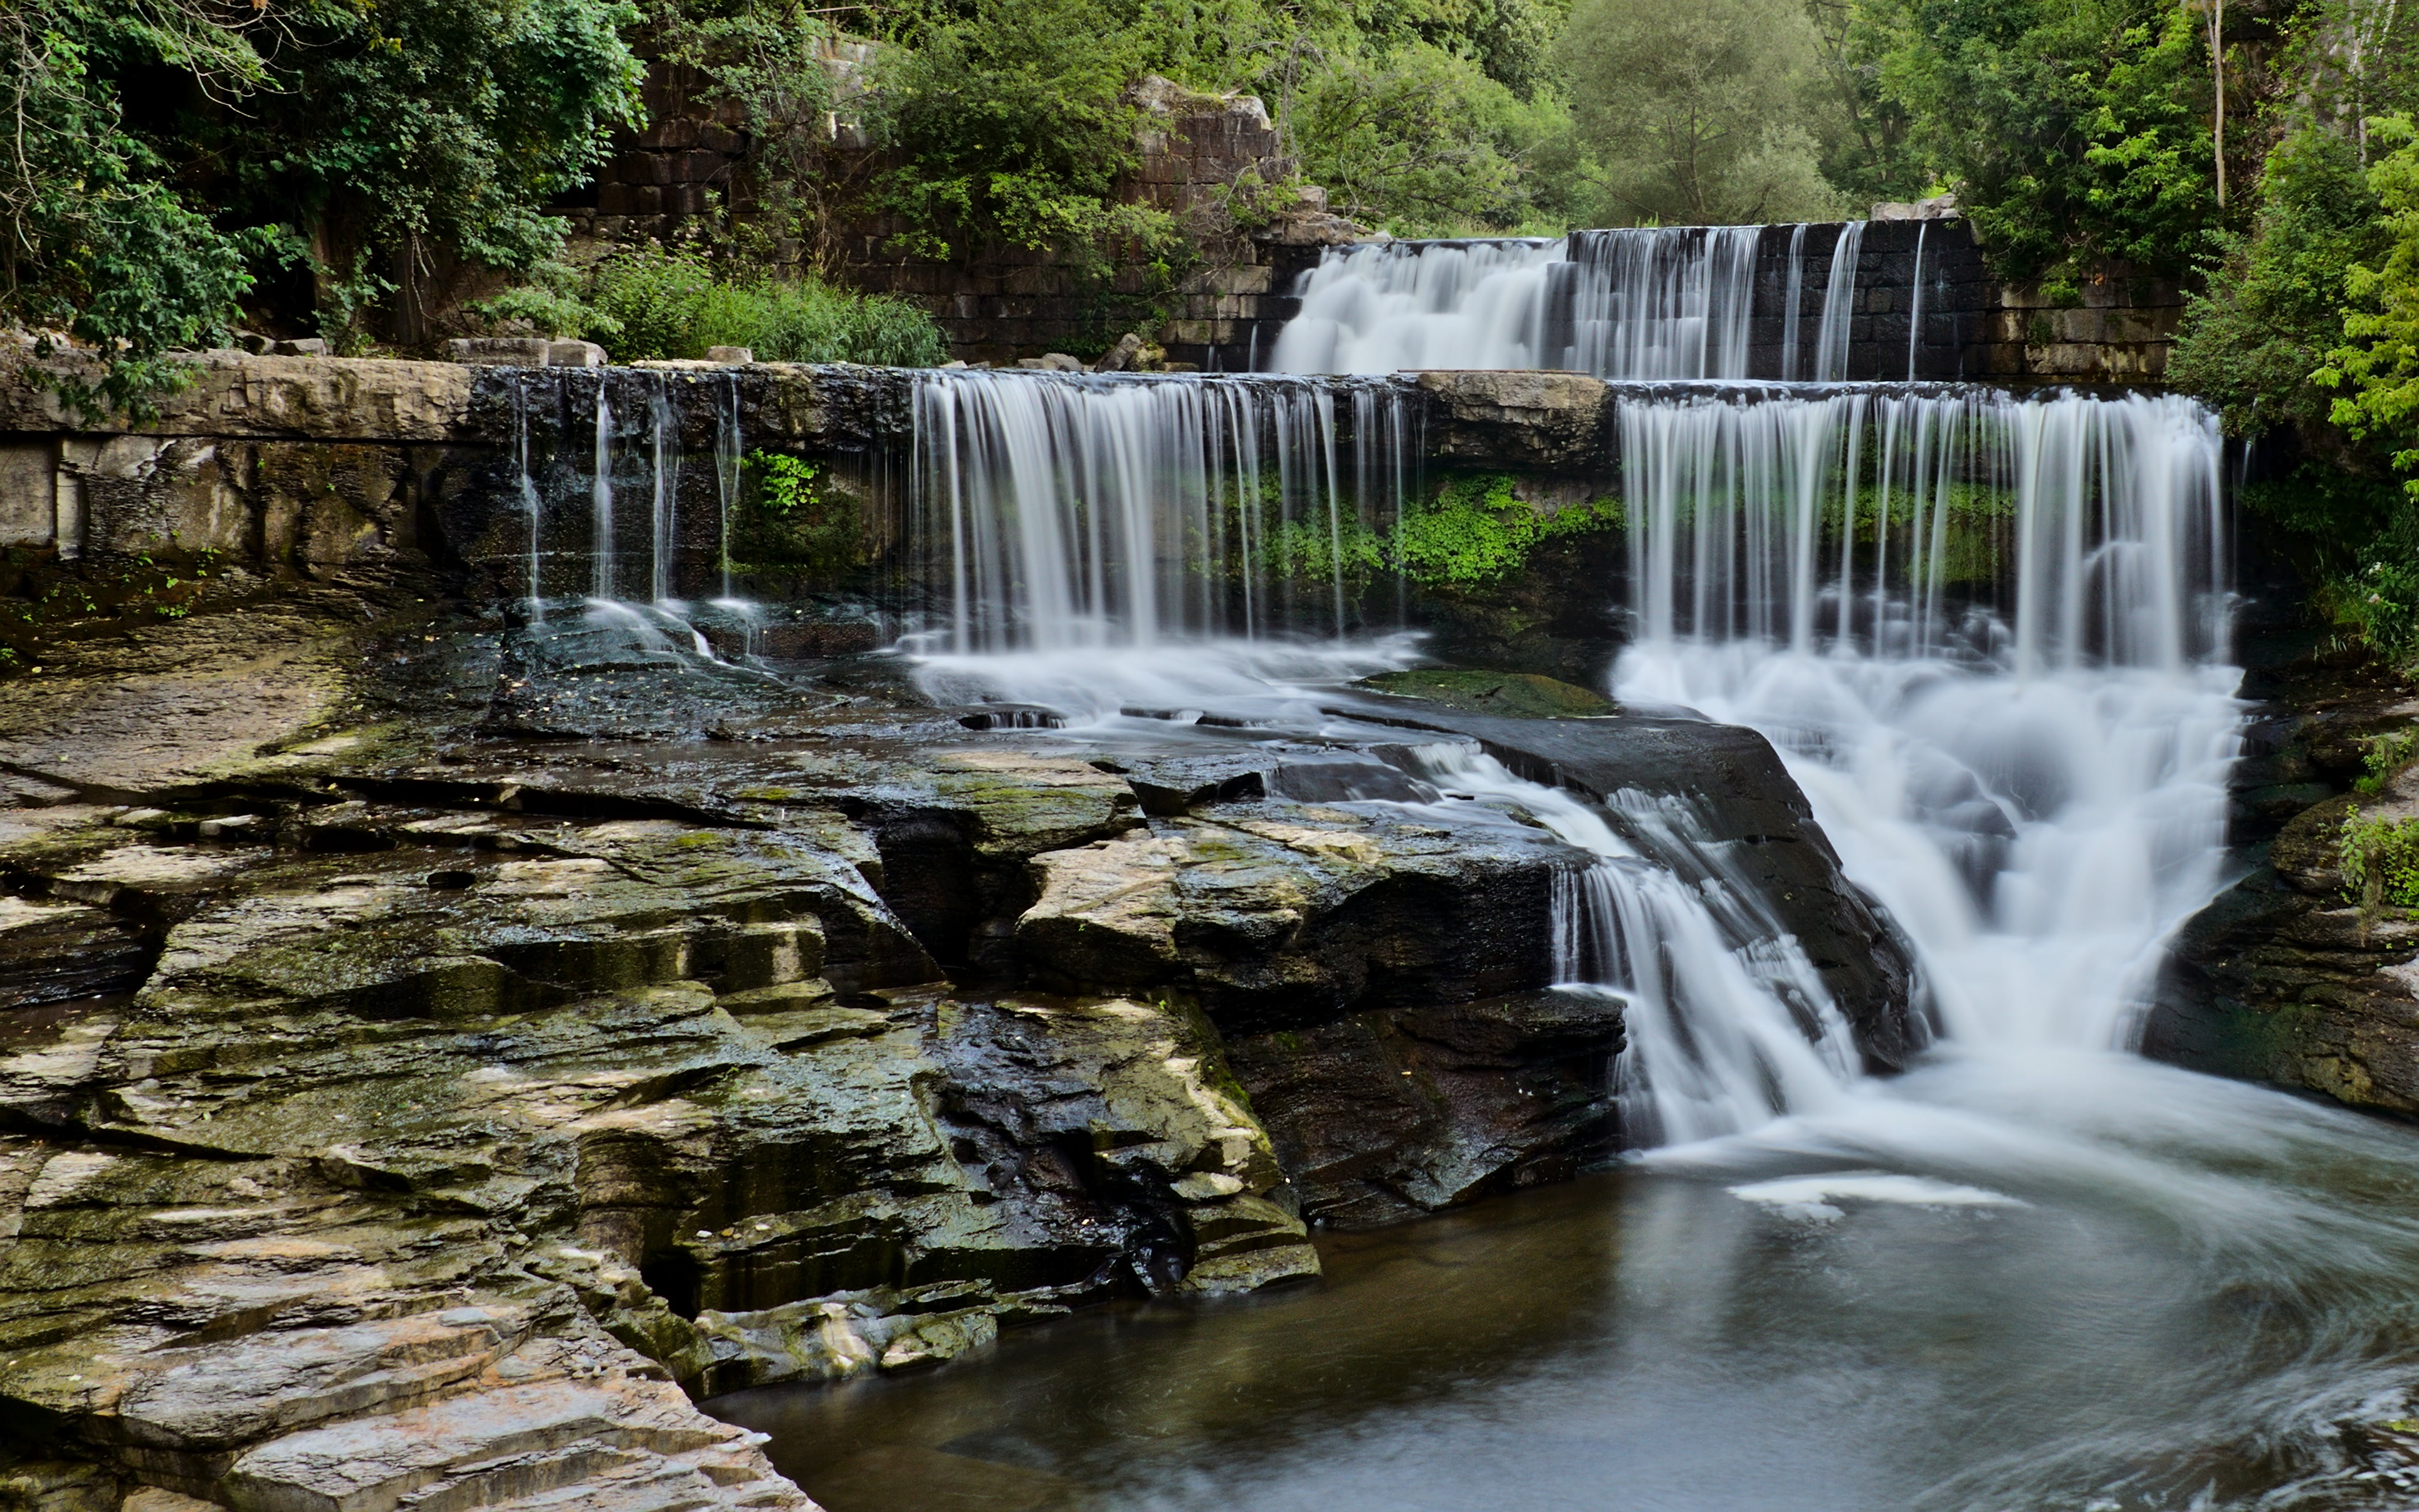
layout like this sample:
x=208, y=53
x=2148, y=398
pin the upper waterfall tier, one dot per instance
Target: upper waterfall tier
x=1790, y=302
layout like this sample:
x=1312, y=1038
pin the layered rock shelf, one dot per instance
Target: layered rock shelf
x=438, y=1053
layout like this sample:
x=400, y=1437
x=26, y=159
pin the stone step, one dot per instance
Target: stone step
x=225, y=1394
x=512, y=1441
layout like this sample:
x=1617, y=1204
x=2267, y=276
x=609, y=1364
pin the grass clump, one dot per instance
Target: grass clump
x=2380, y=860
x=651, y=302
x=2386, y=754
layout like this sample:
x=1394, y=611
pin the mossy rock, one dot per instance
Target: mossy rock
x=1513, y=695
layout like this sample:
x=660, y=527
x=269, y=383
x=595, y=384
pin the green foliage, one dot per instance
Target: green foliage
x=2379, y=859
x=402, y=125
x=553, y=302
x=1420, y=140
x=2378, y=362
x=2385, y=755
x=785, y=485
x=788, y=518
x=1322, y=550
x=765, y=62
x=97, y=241
x=2275, y=299
x=1703, y=114
x=2379, y=603
x=163, y=161
x=2072, y=129
x=651, y=302
x=1011, y=122
x=1474, y=532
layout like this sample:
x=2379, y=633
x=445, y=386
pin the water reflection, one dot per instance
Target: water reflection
x=1647, y=1340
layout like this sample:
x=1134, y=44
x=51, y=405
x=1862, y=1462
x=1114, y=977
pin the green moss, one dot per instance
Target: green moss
x=790, y=517
x=1512, y=695
x=1476, y=531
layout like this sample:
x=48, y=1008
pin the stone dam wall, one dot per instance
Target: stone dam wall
x=313, y=464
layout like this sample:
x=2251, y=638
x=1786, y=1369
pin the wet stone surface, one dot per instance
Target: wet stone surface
x=436, y=1048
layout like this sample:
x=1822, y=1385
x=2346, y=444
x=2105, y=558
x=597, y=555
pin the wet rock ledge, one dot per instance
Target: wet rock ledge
x=400, y=1111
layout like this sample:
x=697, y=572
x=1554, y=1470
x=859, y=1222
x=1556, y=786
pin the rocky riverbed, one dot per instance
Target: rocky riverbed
x=439, y=1045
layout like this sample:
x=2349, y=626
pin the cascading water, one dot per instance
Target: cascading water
x=600, y=497
x=728, y=449
x=1073, y=514
x=1838, y=305
x=1641, y=305
x=1988, y=634
x=1730, y=1025
x=1790, y=315
x=663, y=460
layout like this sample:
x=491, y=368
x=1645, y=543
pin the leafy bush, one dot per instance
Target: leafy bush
x=2385, y=755
x=2378, y=362
x=2380, y=860
x=787, y=518
x=1012, y=122
x=650, y=302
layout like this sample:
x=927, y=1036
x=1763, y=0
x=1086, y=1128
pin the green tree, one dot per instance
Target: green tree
x=1701, y=113
x=405, y=133
x=98, y=243
x=1014, y=122
x=2378, y=364
x=2275, y=302
x=2072, y=129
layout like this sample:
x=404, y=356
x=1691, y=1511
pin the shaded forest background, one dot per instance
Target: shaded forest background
x=175, y=169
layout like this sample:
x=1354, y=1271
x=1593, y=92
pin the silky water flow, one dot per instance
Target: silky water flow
x=1988, y=634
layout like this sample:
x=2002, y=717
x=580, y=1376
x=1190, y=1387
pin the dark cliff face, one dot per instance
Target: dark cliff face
x=2286, y=977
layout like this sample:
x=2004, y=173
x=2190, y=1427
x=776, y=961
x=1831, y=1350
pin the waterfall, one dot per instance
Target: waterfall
x=1643, y=304
x=728, y=449
x=1729, y=1024
x=1914, y=302
x=1790, y=316
x=600, y=500
x=1838, y=305
x=525, y=489
x=2051, y=531
x=663, y=456
x=1988, y=636
x=1062, y=512
x=1663, y=303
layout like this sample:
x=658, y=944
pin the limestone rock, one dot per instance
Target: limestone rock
x=1547, y=420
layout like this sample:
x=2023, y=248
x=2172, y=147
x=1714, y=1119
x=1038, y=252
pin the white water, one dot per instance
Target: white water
x=1062, y=512
x=1731, y=1024
x=600, y=497
x=1639, y=305
x=570, y=498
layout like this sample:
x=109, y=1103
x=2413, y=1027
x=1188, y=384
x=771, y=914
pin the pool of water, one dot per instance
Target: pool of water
x=2155, y=1290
